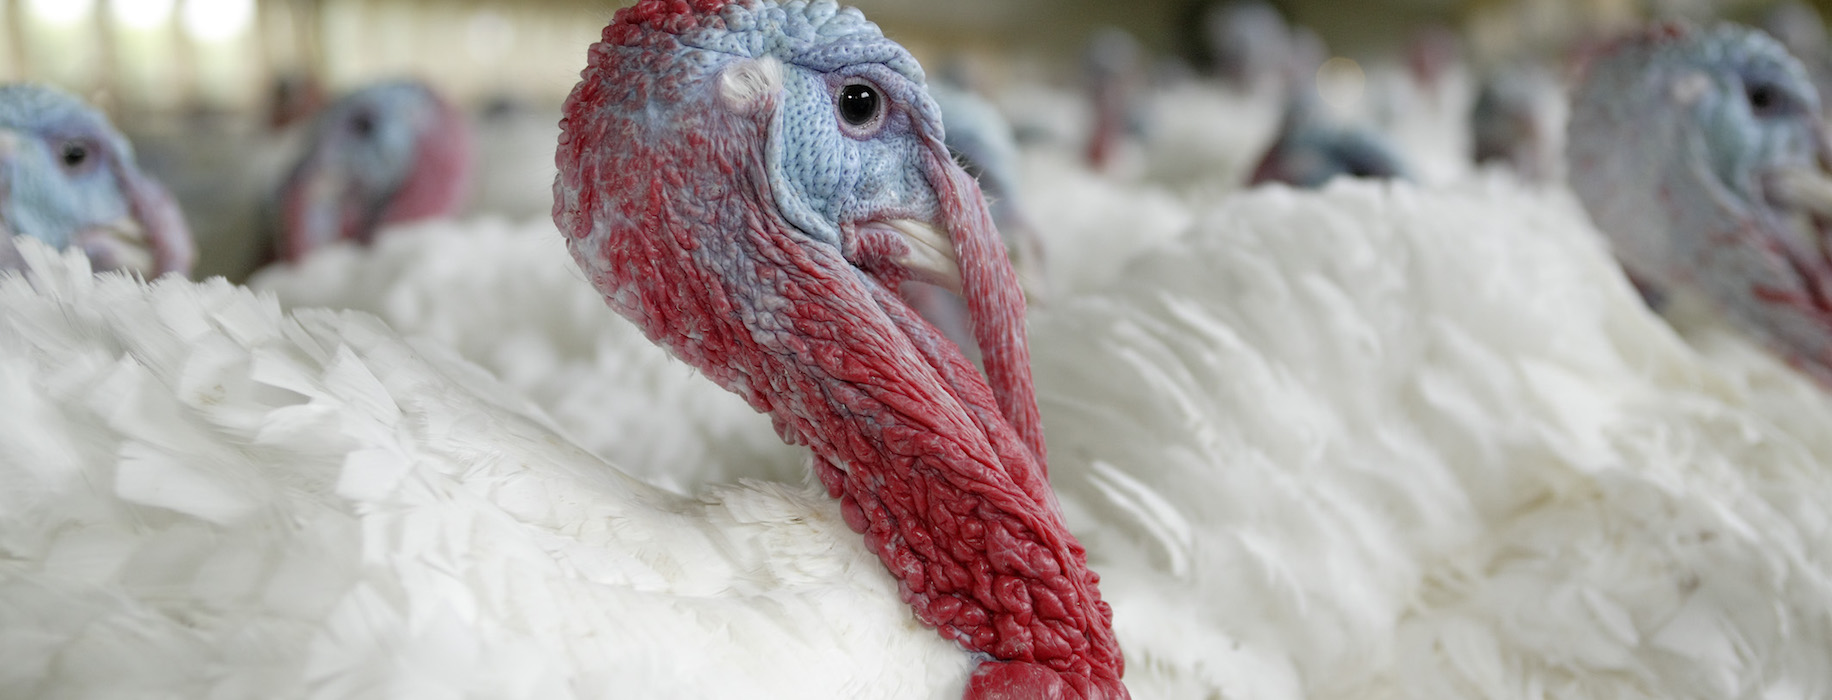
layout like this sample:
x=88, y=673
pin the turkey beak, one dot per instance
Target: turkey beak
x=1808, y=189
x=121, y=245
x=930, y=255
x=989, y=285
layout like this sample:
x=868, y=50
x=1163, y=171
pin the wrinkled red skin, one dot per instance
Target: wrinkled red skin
x=666, y=205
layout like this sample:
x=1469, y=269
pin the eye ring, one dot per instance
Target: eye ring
x=860, y=106
x=76, y=155
x=362, y=124
x=1765, y=99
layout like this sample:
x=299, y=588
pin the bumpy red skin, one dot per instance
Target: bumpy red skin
x=665, y=202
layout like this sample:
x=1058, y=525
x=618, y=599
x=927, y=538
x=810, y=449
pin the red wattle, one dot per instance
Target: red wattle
x=665, y=199
x=995, y=304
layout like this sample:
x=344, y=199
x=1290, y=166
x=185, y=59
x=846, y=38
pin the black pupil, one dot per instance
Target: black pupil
x=75, y=154
x=858, y=104
x=1762, y=97
x=363, y=124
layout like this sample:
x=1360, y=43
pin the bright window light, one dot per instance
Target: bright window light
x=488, y=36
x=142, y=14
x=215, y=21
x=62, y=13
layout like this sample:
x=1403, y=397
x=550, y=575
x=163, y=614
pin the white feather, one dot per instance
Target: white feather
x=509, y=298
x=1432, y=445
x=426, y=540
x=1377, y=441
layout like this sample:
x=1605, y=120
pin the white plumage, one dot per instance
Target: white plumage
x=1091, y=224
x=1429, y=125
x=1205, y=139
x=1427, y=443
x=1376, y=441
x=509, y=298
x=515, y=170
x=210, y=498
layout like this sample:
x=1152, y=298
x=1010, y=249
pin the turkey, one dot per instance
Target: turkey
x=1374, y=440
x=1315, y=143
x=941, y=469
x=1518, y=121
x=388, y=152
x=391, y=152
x=69, y=179
x=1247, y=43
x=1699, y=152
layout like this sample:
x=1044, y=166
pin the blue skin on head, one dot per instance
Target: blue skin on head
x=1771, y=114
x=1505, y=121
x=56, y=182
x=750, y=183
x=1681, y=143
x=370, y=134
x=369, y=139
x=1683, y=114
x=1248, y=41
x=826, y=174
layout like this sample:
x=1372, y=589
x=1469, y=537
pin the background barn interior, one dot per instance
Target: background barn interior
x=154, y=58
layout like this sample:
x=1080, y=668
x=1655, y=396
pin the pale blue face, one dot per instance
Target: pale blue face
x=1698, y=152
x=1762, y=112
x=848, y=140
x=371, y=137
x=1734, y=93
x=57, y=179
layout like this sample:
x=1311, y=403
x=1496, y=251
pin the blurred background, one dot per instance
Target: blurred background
x=215, y=94
x=253, y=57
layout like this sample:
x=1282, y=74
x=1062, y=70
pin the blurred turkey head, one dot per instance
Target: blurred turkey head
x=68, y=178
x=388, y=153
x=1700, y=153
x=1248, y=44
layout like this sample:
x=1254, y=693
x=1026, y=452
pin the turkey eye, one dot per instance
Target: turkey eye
x=363, y=124
x=1764, y=98
x=75, y=154
x=859, y=104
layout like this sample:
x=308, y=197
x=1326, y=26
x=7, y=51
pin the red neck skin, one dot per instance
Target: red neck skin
x=1109, y=124
x=673, y=220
